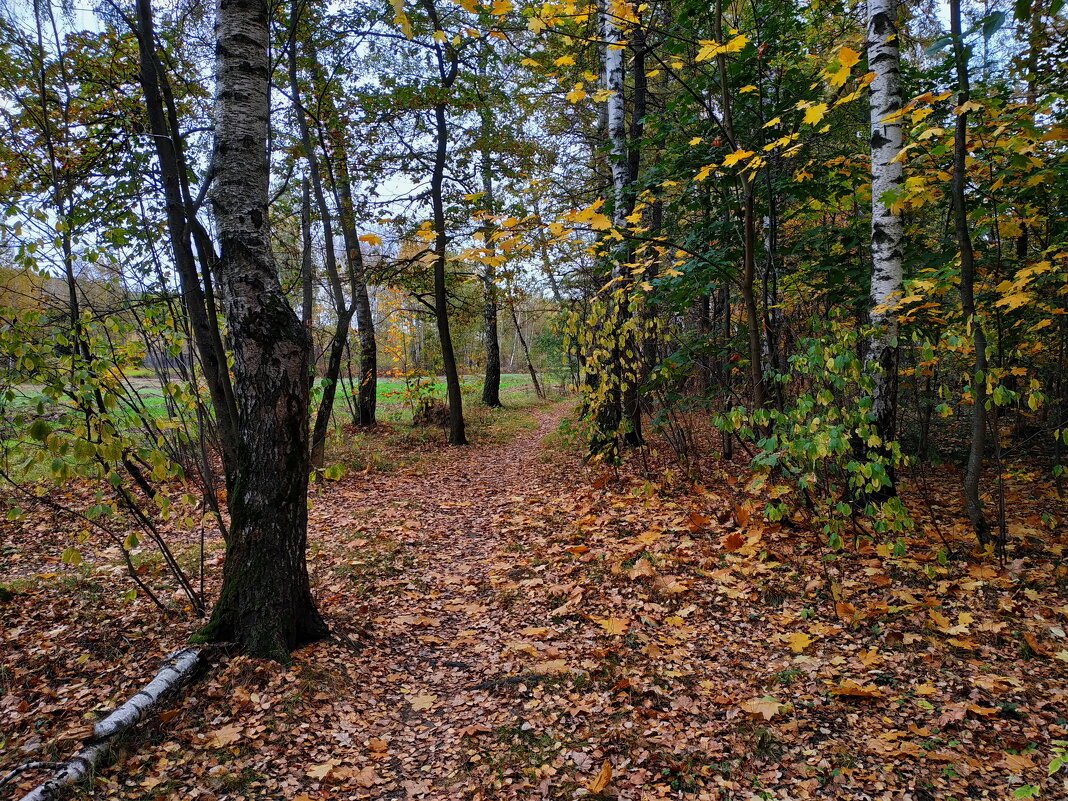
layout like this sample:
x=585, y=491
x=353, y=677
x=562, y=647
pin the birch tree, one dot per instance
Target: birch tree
x=265, y=604
x=886, y=224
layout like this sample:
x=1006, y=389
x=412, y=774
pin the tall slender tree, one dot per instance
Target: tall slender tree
x=977, y=446
x=884, y=61
x=265, y=604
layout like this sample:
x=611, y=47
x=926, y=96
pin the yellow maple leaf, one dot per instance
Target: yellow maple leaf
x=565, y=61
x=599, y=222
x=374, y=240
x=814, y=113
x=536, y=25
x=501, y=7
x=767, y=707
x=736, y=156
x=576, y=94
x=615, y=626
x=847, y=57
x=798, y=641
x=839, y=77
x=400, y=18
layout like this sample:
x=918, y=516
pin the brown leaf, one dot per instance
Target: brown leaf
x=366, y=777
x=420, y=702
x=733, y=541
x=845, y=611
x=643, y=568
x=766, y=707
x=698, y=521
x=225, y=736
x=742, y=515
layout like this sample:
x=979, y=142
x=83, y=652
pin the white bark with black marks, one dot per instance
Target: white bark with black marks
x=617, y=128
x=265, y=604
x=884, y=61
x=178, y=667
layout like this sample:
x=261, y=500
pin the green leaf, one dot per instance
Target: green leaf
x=992, y=23
x=938, y=45
x=71, y=556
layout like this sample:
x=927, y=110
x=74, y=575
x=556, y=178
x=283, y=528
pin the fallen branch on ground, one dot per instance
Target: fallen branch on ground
x=175, y=670
x=522, y=678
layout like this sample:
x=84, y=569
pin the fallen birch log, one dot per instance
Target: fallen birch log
x=175, y=670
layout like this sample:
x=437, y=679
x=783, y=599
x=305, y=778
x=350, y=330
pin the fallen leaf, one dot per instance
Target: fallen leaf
x=366, y=777
x=766, y=707
x=420, y=702
x=845, y=610
x=616, y=626
x=598, y=785
x=798, y=641
x=733, y=541
x=853, y=690
x=323, y=770
x=225, y=736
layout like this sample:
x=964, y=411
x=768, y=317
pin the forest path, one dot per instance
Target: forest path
x=431, y=564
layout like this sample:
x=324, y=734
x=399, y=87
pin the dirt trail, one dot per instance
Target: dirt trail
x=427, y=683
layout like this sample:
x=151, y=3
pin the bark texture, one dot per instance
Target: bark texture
x=176, y=669
x=886, y=224
x=265, y=605
x=973, y=471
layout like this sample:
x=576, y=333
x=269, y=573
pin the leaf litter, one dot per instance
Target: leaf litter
x=519, y=624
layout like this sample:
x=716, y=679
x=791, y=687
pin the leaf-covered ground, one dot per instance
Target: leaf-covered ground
x=521, y=625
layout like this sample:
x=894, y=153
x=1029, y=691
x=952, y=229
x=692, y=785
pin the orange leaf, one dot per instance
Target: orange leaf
x=598, y=785
x=698, y=521
x=854, y=690
x=742, y=515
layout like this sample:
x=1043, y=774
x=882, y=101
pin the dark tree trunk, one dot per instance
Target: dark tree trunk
x=974, y=469
x=448, y=66
x=265, y=605
x=491, y=386
x=181, y=224
x=307, y=274
x=367, y=392
x=342, y=309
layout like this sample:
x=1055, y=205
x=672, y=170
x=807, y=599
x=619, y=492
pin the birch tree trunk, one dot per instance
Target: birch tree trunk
x=265, y=604
x=886, y=225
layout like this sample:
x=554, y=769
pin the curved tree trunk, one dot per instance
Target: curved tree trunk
x=977, y=447
x=265, y=605
x=448, y=66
